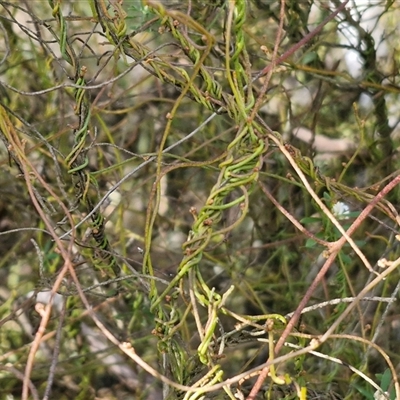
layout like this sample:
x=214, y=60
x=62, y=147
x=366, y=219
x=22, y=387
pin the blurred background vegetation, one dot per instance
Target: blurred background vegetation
x=152, y=155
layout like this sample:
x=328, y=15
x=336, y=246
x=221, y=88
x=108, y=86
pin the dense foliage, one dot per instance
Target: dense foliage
x=199, y=199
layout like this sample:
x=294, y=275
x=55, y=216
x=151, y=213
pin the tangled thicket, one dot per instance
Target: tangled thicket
x=198, y=199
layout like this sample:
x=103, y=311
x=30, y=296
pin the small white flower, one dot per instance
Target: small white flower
x=341, y=210
x=379, y=395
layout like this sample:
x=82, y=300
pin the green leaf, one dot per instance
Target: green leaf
x=367, y=393
x=327, y=197
x=386, y=378
x=310, y=243
x=310, y=57
x=310, y=220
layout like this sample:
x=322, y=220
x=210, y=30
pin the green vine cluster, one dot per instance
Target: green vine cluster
x=265, y=227
x=209, y=94
x=239, y=170
x=77, y=160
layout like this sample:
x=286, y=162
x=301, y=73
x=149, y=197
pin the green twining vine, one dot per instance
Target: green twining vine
x=239, y=169
x=77, y=160
x=194, y=320
x=211, y=96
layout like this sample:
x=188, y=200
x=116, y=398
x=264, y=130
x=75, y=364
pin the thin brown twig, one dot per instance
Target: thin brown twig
x=28, y=170
x=68, y=266
x=334, y=251
x=56, y=351
x=19, y=375
x=272, y=64
x=291, y=218
x=322, y=206
x=302, y=42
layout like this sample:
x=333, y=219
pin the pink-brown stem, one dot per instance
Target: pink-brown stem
x=301, y=43
x=336, y=246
